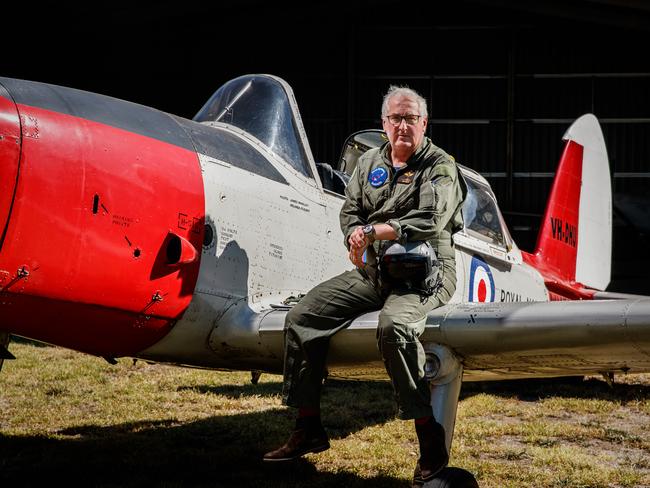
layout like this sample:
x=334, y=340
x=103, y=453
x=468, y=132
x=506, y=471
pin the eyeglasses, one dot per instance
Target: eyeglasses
x=396, y=119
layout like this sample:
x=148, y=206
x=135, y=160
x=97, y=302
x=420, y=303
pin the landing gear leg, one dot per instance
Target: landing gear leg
x=445, y=374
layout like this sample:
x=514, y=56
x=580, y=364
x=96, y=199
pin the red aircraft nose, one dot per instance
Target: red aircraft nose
x=101, y=218
x=10, y=141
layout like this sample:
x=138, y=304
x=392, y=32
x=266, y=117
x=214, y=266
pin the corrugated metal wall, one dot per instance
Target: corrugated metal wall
x=500, y=100
x=504, y=79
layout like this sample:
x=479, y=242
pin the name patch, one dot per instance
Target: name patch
x=406, y=177
x=378, y=177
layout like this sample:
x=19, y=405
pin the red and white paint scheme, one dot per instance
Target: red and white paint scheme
x=574, y=247
x=130, y=232
x=102, y=225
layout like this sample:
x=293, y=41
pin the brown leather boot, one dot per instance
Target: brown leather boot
x=433, y=452
x=302, y=440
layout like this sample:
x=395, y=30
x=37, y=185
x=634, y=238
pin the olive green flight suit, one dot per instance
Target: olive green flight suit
x=421, y=201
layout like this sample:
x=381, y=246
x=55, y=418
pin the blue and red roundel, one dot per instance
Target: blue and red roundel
x=378, y=176
x=481, y=282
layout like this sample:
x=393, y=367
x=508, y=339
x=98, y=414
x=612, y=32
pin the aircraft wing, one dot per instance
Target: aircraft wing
x=496, y=341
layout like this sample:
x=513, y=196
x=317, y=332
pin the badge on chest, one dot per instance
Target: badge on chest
x=378, y=177
x=406, y=177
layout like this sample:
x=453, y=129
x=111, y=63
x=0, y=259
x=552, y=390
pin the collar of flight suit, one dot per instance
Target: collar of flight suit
x=424, y=151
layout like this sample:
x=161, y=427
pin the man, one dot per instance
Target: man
x=408, y=190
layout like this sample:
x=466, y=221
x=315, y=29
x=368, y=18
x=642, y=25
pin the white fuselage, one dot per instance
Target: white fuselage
x=272, y=241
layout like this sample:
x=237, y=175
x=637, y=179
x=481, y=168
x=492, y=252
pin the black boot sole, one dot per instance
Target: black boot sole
x=419, y=480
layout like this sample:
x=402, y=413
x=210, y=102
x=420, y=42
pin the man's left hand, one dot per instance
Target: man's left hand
x=356, y=256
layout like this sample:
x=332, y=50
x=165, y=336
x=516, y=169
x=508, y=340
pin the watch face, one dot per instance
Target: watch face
x=368, y=229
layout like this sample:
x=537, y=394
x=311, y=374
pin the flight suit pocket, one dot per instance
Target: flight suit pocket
x=441, y=187
x=406, y=199
x=427, y=197
x=341, y=296
x=375, y=197
x=327, y=294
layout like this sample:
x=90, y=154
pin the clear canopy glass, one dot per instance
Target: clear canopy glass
x=262, y=106
x=481, y=214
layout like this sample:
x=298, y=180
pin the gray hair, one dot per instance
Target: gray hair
x=405, y=91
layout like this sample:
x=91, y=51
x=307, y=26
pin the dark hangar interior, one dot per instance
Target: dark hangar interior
x=504, y=79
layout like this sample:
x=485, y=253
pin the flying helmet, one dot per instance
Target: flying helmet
x=413, y=264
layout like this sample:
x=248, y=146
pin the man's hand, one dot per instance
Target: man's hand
x=356, y=256
x=358, y=239
x=358, y=244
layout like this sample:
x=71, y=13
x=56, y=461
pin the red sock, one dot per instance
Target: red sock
x=423, y=420
x=308, y=412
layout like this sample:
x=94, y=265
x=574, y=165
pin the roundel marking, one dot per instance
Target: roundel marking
x=378, y=177
x=481, y=282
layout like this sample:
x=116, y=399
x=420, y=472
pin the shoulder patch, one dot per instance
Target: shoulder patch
x=445, y=167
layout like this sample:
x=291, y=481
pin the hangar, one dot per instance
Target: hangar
x=504, y=79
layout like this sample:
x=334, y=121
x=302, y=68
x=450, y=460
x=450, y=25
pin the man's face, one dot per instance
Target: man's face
x=404, y=137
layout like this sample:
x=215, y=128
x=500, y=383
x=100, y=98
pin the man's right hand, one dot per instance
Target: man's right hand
x=358, y=239
x=358, y=244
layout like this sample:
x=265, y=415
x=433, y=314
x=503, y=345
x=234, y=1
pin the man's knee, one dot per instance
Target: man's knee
x=394, y=329
x=294, y=316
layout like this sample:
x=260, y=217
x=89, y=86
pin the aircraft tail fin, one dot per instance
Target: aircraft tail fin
x=574, y=244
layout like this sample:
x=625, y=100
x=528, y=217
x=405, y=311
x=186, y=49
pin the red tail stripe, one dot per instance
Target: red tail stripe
x=557, y=243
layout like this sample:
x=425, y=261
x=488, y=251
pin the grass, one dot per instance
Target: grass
x=74, y=419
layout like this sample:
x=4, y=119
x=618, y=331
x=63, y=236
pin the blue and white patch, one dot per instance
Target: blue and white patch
x=378, y=177
x=481, y=282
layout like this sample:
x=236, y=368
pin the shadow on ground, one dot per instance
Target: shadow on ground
x=226, y=451
x=347, y=405
x=223, y=451
x=566, y=387
x=531, y=389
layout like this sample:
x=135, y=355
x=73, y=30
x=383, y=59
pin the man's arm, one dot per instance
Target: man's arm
x=352, y=213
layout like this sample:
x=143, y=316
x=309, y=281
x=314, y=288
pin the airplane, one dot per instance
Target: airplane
x=126, y=231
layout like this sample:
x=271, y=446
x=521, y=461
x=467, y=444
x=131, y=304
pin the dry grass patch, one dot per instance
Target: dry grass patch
x=67, y=416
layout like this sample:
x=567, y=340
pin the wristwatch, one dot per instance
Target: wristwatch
x=369, y=232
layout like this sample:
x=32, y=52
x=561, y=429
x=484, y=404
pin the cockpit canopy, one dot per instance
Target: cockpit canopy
x=264, y=107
